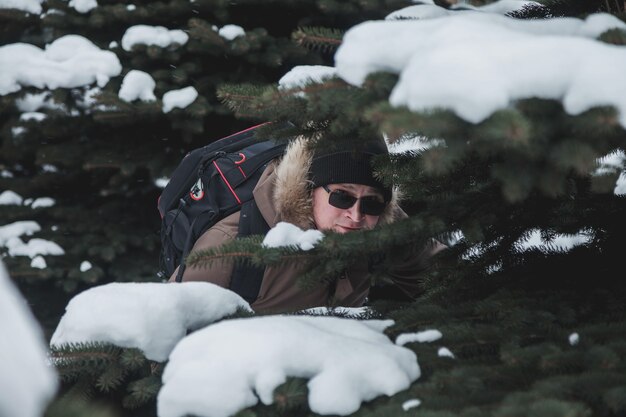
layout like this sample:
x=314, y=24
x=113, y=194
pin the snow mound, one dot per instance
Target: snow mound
x=152, y=317
x=287, y=234
x=137, y=85
x=15, y=230
x=27, y=381
x=68, y=62
x=83, y=6
x=425, y=336
x=33, y=248
x=300, y=75
x=10, y=198
x=230, y=32
x=234, y=361
x=30, y=6
x=477, y=63
x=431, y=10
x=152, y=35
x=179, y=98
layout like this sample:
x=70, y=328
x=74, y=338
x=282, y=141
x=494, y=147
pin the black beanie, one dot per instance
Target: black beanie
x=349, y=165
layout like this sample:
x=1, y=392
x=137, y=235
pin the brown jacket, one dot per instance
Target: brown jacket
x=282, y=194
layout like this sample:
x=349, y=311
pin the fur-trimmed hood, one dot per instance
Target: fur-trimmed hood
x=292, y=189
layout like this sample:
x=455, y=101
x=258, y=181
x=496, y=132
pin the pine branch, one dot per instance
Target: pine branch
x=111, y=378
x=142, y=391
x=316, y=38
x=292, y=395
x=247, y=250
x=243, y=99
x=90, y=358
x=133, y=359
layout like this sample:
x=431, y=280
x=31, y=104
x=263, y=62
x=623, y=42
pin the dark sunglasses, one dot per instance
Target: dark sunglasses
x=370, y=205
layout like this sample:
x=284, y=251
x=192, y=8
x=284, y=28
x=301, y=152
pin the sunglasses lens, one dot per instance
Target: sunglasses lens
x=372, y=206
x=341, y=200
x=369, y=205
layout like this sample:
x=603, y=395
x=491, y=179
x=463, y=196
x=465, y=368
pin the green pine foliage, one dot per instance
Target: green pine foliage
x=99, y=156
x=508, y=314
x=101, y=373
x=325, y=39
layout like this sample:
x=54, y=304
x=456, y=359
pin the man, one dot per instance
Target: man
x=333, y=190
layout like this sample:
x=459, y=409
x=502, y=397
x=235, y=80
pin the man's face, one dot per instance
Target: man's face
x=328, y=217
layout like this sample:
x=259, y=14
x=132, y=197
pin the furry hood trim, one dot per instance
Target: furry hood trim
x=292, y=191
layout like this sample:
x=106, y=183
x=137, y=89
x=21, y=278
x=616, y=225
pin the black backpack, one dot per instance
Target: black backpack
x=209, y=184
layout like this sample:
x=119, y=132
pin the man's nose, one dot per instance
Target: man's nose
x=354, y=212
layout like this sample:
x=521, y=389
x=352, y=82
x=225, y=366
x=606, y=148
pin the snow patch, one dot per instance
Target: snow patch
x=161, y=182
x=49, y=168
x=351, y=312
x=137, y=85
x=10, y=198
x=612, y=163
x=43, y=202
x=560, y=242
x=574, y=339
x=152, y=35
x=301, y=75
x=230, y=32
x=425, y=336
x=17, y=229
x=287, y=234
x=407, y=405
x=152, y=317
x=414, y=144
x=68, y=62
x=32, y=102
x=28, y=382
x=36, y=116
x=38, y=262
x=238, y=362
x=33, y=248
x=420, y=11
x=83, y=6
x=179, y=98
x=501, y=7
x=444, y=352
x=427, y=54
x=30, y=6
x=85, y=266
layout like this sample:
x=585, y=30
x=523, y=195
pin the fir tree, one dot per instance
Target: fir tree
x=532, y=332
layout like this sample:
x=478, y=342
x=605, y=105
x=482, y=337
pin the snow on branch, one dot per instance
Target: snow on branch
x=152, y=317
x=68, y=62
x=477, y=63
x=229, y=366
x=30, y=6
x=27, y=380
x=152, y=35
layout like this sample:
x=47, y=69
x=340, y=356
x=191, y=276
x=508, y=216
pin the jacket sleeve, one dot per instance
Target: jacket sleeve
x=219, y=272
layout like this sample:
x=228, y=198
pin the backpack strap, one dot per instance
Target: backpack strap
x=186, y=250
x=246, y=279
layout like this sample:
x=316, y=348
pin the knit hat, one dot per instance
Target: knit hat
x=349, y=165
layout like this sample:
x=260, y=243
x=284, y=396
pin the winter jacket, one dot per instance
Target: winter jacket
x=283, y=194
